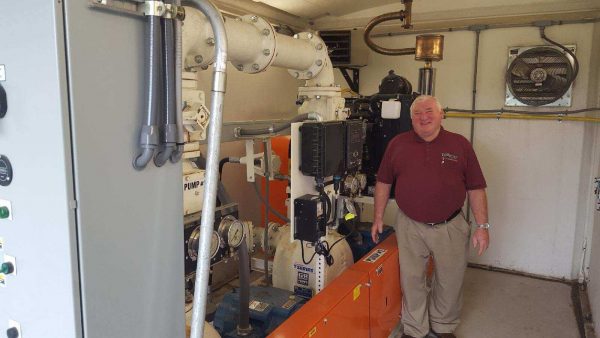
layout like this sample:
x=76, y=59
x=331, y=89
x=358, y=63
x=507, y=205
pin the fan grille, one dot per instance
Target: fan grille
x=539, y=76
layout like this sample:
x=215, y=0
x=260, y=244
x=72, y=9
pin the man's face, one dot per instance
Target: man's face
x=427, y=119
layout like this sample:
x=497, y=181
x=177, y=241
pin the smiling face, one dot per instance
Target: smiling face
x=427, y=119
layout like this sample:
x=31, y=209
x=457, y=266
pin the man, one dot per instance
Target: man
x=433, y=170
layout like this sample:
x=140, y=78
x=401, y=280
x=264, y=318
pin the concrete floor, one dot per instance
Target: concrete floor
x=500, y=305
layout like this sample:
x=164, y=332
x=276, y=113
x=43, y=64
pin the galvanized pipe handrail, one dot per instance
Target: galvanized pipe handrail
x=212, y=163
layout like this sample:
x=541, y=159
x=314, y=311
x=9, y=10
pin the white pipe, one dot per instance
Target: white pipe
x=244, y=41
x=293, y=53
x=212, y=166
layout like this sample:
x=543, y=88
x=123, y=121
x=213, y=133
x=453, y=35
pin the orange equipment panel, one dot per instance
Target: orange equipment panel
x=364, y=301
x=385, y=294
x=341, y=310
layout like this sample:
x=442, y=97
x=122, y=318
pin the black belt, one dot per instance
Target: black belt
x=454, y=214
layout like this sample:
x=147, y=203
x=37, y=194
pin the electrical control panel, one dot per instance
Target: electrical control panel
x=93, y=245
x=309, y=217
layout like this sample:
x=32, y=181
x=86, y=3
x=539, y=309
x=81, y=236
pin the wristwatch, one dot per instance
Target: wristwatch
x=483, y=226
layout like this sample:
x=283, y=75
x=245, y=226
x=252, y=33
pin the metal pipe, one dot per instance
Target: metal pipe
x=473, y=106
x=524, y=112
x=178, y=153
x=404, y=15
x=149, y=136
x=169, y=132
x=276, y=129
x=267, y=155
x=511, y=116
x=212, y=167
x=244, y=328
x=490, y=26
x=426, y=80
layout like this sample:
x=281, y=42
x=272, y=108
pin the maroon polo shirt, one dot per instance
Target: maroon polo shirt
x=432, y=178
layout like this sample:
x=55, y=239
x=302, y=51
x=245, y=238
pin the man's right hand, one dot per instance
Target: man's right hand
x=376, y=229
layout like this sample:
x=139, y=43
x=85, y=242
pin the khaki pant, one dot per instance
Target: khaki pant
x=438, y=308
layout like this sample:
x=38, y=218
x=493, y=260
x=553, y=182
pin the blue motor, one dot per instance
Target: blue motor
x=269, y=307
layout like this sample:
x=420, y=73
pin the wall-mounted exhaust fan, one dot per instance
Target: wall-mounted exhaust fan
x=539, y=76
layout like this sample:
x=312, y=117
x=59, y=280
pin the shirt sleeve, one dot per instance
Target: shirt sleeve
x=473, y=176
x=385, y=174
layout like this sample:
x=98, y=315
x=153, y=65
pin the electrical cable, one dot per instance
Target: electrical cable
x=568, y=51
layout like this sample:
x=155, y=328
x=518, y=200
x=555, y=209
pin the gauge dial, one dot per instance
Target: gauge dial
x=194, y=242
x=232, y=230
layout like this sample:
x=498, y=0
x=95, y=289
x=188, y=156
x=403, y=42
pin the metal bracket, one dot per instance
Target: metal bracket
x=250, y=164
x=353, y=81
x=154, y=8
x=141, y=8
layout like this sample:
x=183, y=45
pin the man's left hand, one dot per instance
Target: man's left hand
x=481, y=237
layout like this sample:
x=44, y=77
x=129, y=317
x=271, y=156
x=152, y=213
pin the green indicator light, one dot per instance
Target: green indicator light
x=7, y=268
x=4, y=212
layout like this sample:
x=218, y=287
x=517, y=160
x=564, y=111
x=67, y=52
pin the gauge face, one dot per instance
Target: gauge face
x=215, y=244
x=232, y=230
x=194, y=242
x=235, y=234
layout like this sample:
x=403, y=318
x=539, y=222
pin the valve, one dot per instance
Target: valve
x=7, y=268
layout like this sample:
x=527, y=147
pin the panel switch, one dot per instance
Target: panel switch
x=14, y=330
x=5, y=210
x=9, y=266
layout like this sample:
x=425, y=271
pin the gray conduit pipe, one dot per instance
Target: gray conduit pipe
x=149, y=136
x=212, y=163
x=176, y=155
x=282, y=127
x=266, y=231
x=169, y=131
x=244, y=328
x=473, y=106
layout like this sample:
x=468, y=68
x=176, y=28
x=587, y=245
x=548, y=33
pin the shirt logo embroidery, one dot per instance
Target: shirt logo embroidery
x=449, y=157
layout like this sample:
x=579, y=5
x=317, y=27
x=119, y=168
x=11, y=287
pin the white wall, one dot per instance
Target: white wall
x=533, y=168
x=594, y=219
x=267, y=95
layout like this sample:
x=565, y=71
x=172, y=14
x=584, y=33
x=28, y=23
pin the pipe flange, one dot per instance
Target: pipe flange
x=321, y=57
x=265, y=58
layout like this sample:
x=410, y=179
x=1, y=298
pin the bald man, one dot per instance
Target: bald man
x=434, y=170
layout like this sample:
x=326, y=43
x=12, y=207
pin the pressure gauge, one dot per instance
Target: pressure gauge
x=232, y=230
x=194, y=242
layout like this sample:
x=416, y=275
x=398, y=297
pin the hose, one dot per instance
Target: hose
x=149, y=136
x=169, y=132
x=244, y=326
x=178, y=153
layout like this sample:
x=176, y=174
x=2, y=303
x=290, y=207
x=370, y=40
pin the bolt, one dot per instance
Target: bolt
x=266, y=32
x=310, y=36
x=198, y=59
x=204, y=67
x=210, y=41
x=309, y=74
x=319, y=46
x=266, y=52
x=255, y=66
x=159, y=8
x=240, y=67
x=295, y=36
x=99, y=1
x=254, y=18
x=296, y=75
x=238, y=19
x=319, y=63
x=318, y=97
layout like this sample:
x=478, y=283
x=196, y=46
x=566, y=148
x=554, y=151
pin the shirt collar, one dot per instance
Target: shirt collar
x=420, y=140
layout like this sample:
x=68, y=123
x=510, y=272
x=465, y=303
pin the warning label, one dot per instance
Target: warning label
x=258, y=306
x=302, y=278
x=372, y=258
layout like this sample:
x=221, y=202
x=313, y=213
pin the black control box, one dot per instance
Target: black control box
x=355, y=135
x=309, y=218
x=322, y=148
